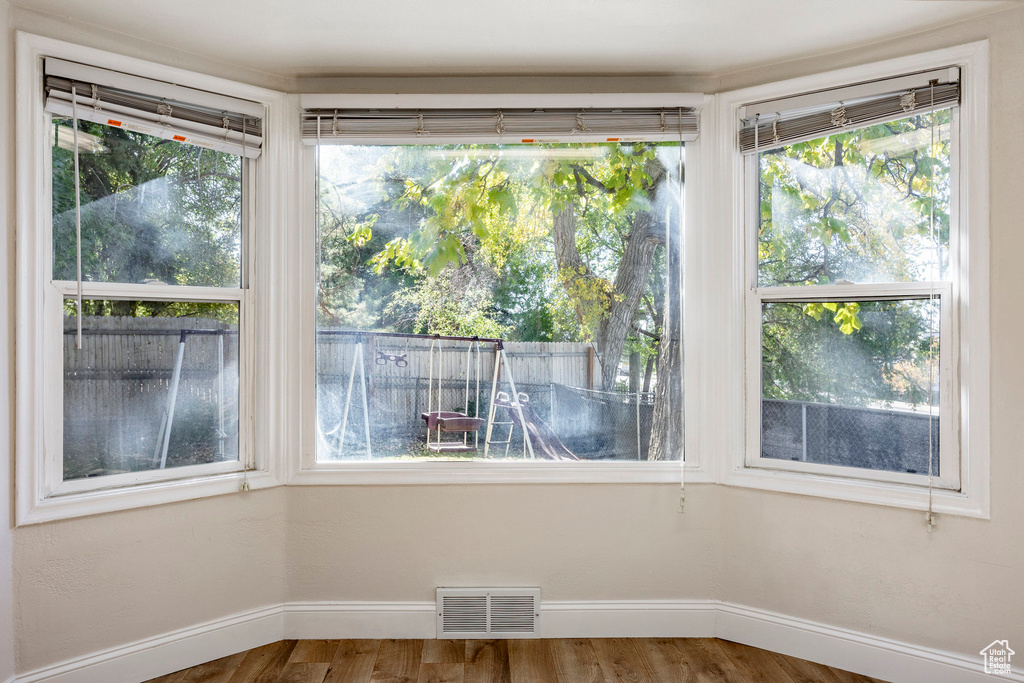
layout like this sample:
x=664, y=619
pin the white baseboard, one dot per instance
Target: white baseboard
x=883, y=658
x=312, y=620
x=152, y=657
x=862, y=653
x=633, y=618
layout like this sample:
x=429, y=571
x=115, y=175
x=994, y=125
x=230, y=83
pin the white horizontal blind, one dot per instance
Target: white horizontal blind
x=509, y=126
x=815, y=115
x=155, y=108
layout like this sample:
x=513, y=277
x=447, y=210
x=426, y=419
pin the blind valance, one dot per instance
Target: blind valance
x=768, y=125
x=155, y=108
x=507, y=126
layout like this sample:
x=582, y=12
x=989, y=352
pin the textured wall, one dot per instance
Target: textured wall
x=584, y=542
x=96, y=582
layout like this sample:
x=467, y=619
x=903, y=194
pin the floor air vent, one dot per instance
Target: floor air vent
x=487, y=612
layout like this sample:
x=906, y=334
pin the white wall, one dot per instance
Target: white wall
x=101, y=581
x=583, y=542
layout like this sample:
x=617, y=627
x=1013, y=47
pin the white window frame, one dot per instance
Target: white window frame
x=307, y=470
x=964, y=304
x=42, y=495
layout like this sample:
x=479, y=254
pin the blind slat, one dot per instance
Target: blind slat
x=225, y=130
x=440, y=126
x=792, y=127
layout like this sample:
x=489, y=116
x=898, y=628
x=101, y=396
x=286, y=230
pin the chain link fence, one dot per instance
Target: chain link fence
x=869, y=438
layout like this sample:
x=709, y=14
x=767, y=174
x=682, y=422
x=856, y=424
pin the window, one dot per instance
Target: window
x=135, y=260
x=854, y=305
x=153, y=383
x=499, y=297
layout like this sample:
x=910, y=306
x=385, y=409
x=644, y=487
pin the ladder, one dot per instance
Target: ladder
x=501, y=359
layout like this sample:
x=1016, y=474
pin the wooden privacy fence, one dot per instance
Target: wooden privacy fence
x=397, y=372
x=117, y=389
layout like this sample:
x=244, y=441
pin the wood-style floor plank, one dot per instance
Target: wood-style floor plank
x=804, y=671
x=298, y=672
x=850, y=677
x=217, y=671
x=487, y=662
x=569, y=660
x=398, y=661
x=314, y=651
x=708, y=661
x=442, y=672
x=444, y=652
x=172, y=678
x=263, y=661
x=530, y=661
x=353, y=661
x=622, y=661
x=666, y=660
x=575, y=661
x=756, y=666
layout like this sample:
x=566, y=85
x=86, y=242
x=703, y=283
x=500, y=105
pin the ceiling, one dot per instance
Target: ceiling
x=312, y=38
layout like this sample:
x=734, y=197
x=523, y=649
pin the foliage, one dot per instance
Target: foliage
x=152, y=209
x=459, y=237
x=858, y=207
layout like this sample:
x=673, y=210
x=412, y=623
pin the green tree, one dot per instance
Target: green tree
x=152, y=210
x=867, y=205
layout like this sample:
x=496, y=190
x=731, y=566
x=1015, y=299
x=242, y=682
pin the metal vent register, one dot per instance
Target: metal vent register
x=487, y=612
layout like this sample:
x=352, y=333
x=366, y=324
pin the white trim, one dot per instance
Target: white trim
x=152, y=657
x=726, y=288
x=849, y=92
x=148, y=292
x=629, y=618
x=117, y=78
x=502, y=101
x=847, y=649
x=309, y=620
x=496, y=472
x=862, y=653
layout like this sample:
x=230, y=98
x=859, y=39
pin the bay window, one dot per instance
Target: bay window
x=491, y=288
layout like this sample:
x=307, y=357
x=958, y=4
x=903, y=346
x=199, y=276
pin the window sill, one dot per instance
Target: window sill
x=889, y=494
x=138, y=496
x=535, y=472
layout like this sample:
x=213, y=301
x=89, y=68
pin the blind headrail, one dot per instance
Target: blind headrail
x=510, y=126
x=776, y=123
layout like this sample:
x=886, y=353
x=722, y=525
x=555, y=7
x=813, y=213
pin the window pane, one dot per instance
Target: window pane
x=153, y=210
x=851, y=383
x=568, y=254
x=857, y=206
x=154, y=385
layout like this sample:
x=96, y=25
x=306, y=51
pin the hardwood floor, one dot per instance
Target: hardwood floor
x=569, y=660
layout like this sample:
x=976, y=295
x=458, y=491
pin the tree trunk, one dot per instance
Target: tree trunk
x=667, y=425
x=648, y=373
x=573, y=272
x=634, y=372
x=630, y=280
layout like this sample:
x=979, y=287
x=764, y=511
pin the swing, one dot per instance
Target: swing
x=448, y=421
